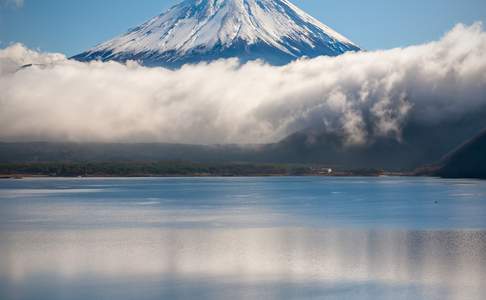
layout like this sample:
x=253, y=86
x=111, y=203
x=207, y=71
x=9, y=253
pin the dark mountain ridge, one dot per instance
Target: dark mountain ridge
x=467, y=161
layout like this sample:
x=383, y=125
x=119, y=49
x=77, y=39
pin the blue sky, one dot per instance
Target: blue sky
x=71, y=26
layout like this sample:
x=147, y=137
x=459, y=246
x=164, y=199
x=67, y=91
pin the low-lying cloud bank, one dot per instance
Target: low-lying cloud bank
x=359, y=95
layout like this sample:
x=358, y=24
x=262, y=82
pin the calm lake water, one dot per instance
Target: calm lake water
x=243, y=238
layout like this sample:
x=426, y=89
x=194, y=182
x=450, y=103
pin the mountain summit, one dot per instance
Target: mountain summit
x=275, y=31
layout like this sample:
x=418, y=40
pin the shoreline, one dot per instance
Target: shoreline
x=183, y=169
x=99, y=176
x=33, y=176
x=177, y=169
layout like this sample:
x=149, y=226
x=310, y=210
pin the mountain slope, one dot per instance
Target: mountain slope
x=275, y=31
x=468, y=161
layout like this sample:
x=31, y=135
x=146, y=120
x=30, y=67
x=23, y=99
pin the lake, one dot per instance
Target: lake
x=243, y=238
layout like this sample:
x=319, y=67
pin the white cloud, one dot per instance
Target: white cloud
x=362, y=95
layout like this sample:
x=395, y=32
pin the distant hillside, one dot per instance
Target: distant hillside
x=420, y=145
x=468, y=161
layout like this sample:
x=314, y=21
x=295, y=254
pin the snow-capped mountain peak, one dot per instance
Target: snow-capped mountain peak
x=275, y=31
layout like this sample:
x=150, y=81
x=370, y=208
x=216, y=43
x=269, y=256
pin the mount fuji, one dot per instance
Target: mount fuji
x=275, y=31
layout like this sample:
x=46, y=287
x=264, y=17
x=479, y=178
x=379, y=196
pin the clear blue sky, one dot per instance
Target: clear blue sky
x=71, y=26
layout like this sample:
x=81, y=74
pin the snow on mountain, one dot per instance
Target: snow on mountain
x=275, y=31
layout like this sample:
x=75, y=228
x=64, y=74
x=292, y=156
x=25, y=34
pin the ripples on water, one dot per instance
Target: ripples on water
x=252, y=238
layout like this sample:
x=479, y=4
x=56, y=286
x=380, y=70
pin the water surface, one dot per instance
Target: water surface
x=243, y=238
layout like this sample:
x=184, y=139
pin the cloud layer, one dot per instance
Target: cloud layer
x=359, y=95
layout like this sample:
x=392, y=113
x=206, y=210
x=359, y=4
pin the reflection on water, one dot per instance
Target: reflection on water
x=436, y=264
x=97, y=245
